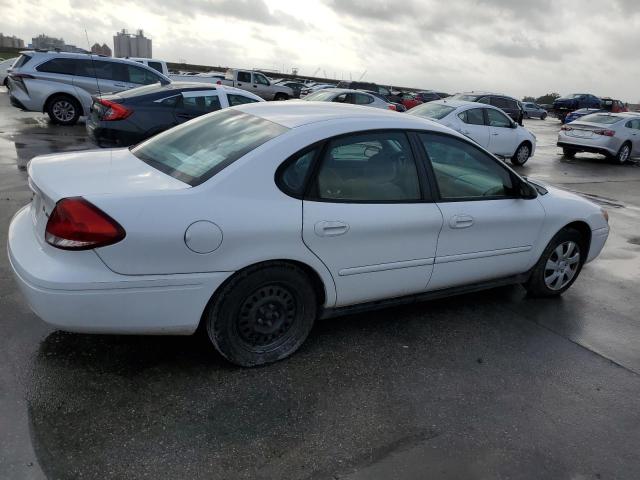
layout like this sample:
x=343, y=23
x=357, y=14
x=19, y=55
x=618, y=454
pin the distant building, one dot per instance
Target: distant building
x=129, y=45
x=11, y=42
x=101, y=49
x=44, y=42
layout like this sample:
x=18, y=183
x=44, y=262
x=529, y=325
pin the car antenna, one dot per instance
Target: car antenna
x=93, y=64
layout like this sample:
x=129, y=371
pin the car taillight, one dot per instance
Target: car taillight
x=392, y=107
x=16, y=76
x=606, y=133
x=219, y=82
x=76, y=224
x=114, y=111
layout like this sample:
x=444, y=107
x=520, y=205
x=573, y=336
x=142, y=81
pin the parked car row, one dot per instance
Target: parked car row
x=563, y=107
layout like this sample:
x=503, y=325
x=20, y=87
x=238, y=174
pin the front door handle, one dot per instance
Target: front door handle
x=461, y=221
x=331, y=228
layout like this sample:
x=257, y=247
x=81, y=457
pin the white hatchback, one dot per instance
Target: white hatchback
x=488, y=126
x=254, y=221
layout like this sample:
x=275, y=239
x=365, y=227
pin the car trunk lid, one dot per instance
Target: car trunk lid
x=74, y=174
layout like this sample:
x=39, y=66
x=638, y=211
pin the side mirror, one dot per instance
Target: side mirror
x=527, y=191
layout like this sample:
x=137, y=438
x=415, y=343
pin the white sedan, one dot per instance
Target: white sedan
x=254, y=221
x=488, y=126
x=345, y=95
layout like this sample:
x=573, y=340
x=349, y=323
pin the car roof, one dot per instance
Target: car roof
x=293, y=114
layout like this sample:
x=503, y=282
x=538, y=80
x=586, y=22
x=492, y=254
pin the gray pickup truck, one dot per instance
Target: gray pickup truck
x=257, y=83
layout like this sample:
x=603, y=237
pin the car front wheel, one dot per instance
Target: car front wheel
x=522, y=155
x=262, y=315
x=559, y=265
x=568, y=152
x=623, y=154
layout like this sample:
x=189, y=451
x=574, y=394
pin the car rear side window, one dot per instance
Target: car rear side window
x=203, y=103
x=475, y=116
x=291, y=179
x=195, y=151
x=66, y=66
x=141, y=76
x=244, y=77
x=157, y=66
x=368, y=167
x=22, y=60
x=363, y=99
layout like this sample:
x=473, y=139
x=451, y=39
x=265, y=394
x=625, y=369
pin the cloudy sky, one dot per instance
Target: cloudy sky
x=521, y=47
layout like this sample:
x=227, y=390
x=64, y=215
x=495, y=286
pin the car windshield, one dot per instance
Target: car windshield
x=601, y=118
x=197, y=150
x=321, y=96
x=435, y=111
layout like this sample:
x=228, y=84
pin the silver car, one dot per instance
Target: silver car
x=615, y=135
x=62, y=84
x=533, y=110
x=345, y=95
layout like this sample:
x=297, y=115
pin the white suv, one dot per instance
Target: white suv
x=61, y=84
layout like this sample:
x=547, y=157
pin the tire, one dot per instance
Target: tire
x=543, y=116
x=64, y=110
x=258, y=304
x=281, y=96
x=522, y=154
x=567, y=251
x=568, y=152
x=623, y=155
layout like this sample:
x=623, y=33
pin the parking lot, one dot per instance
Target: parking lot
x=485, y=385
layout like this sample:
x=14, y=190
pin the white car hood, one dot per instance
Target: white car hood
x=96, y=172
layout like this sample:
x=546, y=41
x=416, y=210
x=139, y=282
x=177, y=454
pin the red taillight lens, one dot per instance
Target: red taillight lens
x=606, y=133
x=114, y=111
x=392, y=107
x=76, y=224
x=219, y=82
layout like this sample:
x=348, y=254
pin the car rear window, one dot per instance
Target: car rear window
x=21, y=61
x=434, y=111
x=320, y=96
x=600, y=118
x=197, y=150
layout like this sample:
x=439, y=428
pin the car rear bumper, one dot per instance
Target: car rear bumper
x=75, y=291
x=581, y=147
x=108, y=136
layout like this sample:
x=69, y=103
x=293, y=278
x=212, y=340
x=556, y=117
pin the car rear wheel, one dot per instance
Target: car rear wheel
x=262, y=315
x=522, y=155
x=623, y=154
x=559, y=265
x=63, y=110
x=543, y=116
x=281, y=96
x=568, y=152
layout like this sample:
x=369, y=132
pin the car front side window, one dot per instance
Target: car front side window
x=463, y=171
x=260, y=79
x=498, y=119
x=369, y=168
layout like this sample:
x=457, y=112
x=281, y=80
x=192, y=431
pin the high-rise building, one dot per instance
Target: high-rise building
x=101, y=49
x=11, y=42
x=130, y=45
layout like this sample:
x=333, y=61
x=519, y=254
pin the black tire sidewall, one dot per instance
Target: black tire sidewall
x=514, y=159
x=221, y=318
x=536, y=284
x=73, y=101
x=618, y=155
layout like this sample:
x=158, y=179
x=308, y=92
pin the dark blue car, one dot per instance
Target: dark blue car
x=131, y=116
x=579, y=113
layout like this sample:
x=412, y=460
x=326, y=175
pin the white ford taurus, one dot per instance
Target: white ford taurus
x=257, y=220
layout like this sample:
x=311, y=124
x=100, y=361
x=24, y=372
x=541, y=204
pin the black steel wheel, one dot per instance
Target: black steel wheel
x=263, y=314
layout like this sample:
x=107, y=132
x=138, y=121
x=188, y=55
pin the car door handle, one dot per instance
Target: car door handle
x=461, y=221
x=331, y=228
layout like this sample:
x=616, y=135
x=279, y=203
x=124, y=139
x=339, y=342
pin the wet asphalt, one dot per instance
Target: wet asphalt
x=482, y=386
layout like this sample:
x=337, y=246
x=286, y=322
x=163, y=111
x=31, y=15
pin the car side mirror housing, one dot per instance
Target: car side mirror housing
x=527, y=191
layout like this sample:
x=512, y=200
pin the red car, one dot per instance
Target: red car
x=409, y=100
x=613, y=106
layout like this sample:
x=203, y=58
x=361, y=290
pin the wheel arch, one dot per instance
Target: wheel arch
x=45, y=105
x=315, y=279
x=585, y=232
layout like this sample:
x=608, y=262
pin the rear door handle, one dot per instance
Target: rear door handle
x=331, y=228
x=461, y=221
